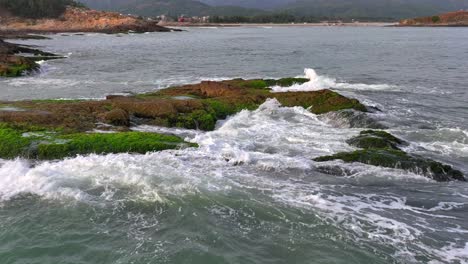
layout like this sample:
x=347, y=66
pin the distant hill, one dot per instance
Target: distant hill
x=345, y=9
x=169, y=7
x=394, y=9
x=258, y=4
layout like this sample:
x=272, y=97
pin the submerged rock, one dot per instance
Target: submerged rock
x=380, y=148
x=373, y=139
x=351, y=118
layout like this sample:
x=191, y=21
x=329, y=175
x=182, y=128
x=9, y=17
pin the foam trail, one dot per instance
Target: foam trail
x=319, y=82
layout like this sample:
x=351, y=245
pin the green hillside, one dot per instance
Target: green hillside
x=393, y=9
x=301, y=10
x=36, y=8
x=169, y=7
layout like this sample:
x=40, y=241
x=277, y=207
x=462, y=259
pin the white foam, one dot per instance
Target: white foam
x=320, y=82
x=269, y=150
x=452, y=142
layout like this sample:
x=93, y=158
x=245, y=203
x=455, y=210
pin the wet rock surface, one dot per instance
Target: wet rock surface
x=379, y=148
x=14, y=65
x=197, y=106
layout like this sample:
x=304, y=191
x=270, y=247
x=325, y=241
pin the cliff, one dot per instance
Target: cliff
x=458, y=18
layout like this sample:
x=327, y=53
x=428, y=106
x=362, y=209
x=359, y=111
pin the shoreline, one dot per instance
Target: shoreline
x=355, y=24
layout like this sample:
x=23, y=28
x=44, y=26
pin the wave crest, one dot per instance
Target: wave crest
x=320, y=82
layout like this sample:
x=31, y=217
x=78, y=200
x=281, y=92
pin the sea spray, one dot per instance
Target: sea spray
x=319, y=82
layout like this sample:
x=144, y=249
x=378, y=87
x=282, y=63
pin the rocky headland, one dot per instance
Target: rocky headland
x=78, y=19
x=452, y=19
x=55, y=129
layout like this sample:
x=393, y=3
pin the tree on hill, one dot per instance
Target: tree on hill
x=37, y=8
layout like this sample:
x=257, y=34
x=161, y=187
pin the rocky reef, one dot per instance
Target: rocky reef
x=197, y=106
x=14, y=65
x=54, y=129
x=49, y=129
x=379, y=148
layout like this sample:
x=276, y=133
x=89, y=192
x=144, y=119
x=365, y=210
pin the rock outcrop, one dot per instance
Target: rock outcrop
x=379, y=148
x=76, y=19
x=196, y=106
x=62, y=125
x=14, y=65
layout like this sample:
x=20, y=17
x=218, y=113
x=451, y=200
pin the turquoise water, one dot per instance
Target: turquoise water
x=251, y=193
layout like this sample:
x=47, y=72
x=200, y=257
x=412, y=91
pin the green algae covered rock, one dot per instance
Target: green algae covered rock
x=197, y=106
x=15, y=66
x=380, y=148
x=39, y=143
x=373, y=139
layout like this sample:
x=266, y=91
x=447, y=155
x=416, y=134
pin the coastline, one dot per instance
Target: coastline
x=356, y=24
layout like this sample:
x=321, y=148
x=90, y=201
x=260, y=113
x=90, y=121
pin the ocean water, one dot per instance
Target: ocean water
x=251, y=192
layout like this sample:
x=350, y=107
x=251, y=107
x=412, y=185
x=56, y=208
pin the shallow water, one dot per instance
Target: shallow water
x=251, y=193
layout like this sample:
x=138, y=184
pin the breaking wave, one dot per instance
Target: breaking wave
x=319, y=82
x=265, y=158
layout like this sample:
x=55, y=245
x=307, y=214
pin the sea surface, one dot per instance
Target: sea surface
x=251, y=192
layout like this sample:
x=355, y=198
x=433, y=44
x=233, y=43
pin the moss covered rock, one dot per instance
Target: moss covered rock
x=391, y=158
x=373, y=139
x=380, y=148
x=197, y=106
x=14, y=66
x=39, y=143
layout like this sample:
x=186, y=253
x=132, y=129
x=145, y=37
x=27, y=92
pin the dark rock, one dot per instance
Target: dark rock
x=398, y=159
x=372, y=139
x=380, y=148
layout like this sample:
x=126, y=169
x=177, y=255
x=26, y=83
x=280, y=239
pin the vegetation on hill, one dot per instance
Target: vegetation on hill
x=172, y=8
x=301, y=10
x=37, y=8
x=265, y=18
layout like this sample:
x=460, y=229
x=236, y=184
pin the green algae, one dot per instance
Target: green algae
x=39, y=143
x=16, y=70
x=12, y=143
x=380, y=148
x=107, y=143
x=286, y=82
x=391, y=158
x=197, y=106
x=373, y=139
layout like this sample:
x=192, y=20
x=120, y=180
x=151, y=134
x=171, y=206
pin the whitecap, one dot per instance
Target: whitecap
x=320, y=82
